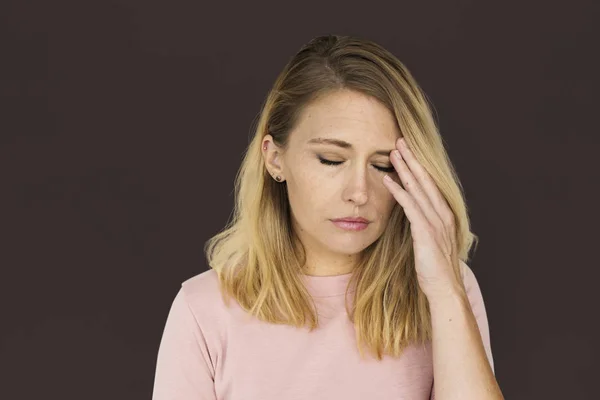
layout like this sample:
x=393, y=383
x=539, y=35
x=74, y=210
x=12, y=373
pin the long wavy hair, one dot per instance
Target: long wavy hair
x=257, y=256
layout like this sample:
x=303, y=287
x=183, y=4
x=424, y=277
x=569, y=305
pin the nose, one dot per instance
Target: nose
x=356, y=189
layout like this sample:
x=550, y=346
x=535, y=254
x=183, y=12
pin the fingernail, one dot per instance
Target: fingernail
x=397, y=154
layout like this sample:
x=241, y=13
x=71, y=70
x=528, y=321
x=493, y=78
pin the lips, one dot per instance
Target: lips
x=351, y=224
x=351, y=219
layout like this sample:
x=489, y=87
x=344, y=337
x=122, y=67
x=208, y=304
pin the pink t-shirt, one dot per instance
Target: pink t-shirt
x=211, y=352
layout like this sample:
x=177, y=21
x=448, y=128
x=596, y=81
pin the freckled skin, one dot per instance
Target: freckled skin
x=319, y=192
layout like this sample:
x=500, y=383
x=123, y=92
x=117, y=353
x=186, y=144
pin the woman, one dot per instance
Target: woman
x=326, y=258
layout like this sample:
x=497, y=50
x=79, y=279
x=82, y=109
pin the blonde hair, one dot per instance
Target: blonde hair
x=258, y=258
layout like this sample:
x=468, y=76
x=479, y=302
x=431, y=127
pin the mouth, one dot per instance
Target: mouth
x=351, y=224
x=352, y=219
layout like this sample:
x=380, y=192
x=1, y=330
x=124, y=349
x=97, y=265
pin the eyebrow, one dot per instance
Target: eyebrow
x=343, y=144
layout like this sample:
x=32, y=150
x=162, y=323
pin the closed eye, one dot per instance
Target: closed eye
x=329, y=162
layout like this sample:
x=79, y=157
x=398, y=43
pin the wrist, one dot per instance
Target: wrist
x=453, y=297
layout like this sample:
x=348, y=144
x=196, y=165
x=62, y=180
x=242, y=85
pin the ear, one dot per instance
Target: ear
x=273, y=157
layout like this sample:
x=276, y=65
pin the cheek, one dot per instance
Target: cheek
x=314, y=178
x=308, y=185
x=312, y=201
x=307, y=193
x=311, y=182
x=385, y=203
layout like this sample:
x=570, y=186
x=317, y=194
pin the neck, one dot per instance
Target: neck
x=330, y=264
x=323, y=262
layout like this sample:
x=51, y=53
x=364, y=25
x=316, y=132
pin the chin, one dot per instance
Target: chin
x=349, y=247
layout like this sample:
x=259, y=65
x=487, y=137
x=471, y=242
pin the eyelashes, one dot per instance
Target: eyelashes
x=333, y=163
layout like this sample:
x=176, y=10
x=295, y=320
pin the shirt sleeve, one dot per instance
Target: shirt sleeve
x=183, y=369
x=478, y=306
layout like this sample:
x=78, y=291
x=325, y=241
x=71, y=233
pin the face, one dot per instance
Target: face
x=333, y=167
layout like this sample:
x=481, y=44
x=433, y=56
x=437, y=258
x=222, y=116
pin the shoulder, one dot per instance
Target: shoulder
x=477, y=302
x=202, y=296
x=203, y=285
x=468, y=276
x=202, y=293
x=473, y=290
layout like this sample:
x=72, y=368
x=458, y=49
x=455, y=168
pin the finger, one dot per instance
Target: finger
x=418, y=221
x=415, y=189
x=422, y=176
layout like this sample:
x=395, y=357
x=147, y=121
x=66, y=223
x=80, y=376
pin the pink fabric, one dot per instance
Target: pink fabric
x=210, y=352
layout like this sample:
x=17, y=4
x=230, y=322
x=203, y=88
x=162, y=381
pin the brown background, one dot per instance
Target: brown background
x=123, y=124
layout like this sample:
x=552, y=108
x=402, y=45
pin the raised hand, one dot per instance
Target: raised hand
x=432, y=223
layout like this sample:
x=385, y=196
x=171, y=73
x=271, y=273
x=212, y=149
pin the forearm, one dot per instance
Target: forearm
x=460, y=365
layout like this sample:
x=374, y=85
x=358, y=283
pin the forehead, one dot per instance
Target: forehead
x=350, y=116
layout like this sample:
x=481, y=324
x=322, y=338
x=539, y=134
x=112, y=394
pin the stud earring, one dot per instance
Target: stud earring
x=278, y=178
